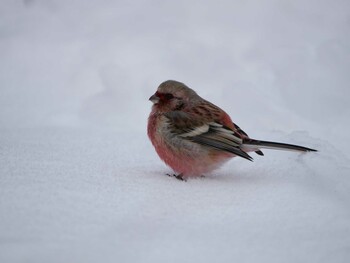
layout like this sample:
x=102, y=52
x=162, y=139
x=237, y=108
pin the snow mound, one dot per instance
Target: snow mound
x=73, y=195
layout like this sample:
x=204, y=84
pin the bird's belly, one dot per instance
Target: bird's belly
x=183, y=155
x=190, y=158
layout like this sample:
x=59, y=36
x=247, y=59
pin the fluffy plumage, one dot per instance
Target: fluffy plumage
x=194, y=136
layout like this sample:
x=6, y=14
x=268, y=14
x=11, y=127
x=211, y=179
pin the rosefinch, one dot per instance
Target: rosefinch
x=194, y=137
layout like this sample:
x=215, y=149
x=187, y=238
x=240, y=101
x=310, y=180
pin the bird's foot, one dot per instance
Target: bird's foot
x=178, y=176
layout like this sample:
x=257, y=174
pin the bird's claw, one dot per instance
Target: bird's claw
x=177, y=176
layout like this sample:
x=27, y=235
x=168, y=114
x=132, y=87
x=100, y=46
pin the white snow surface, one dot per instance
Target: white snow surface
x=79, y=179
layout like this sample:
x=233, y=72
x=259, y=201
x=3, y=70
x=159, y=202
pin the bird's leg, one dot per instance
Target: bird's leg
x=178, y=176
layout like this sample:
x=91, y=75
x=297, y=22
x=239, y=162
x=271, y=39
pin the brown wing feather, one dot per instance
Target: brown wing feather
x=210, y=134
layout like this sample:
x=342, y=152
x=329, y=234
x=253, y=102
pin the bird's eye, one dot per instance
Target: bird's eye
x=168, y=96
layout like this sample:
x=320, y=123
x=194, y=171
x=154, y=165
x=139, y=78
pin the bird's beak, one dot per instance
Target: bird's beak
x=154, y=98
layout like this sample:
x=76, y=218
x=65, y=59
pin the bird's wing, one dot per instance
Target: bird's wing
x=206, y=132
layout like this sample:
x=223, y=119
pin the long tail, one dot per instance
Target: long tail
x=257, y=144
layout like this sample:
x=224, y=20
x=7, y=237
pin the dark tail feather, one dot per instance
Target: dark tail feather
x=257, y=144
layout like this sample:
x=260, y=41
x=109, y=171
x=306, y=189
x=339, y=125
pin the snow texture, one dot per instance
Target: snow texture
x=79, y=179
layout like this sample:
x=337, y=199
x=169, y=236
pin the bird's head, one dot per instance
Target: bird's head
x=172, y=95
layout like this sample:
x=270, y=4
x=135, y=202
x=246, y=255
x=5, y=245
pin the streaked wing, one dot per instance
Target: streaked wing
x=208, y=133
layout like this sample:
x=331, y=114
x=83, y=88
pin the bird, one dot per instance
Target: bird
x=195, y=137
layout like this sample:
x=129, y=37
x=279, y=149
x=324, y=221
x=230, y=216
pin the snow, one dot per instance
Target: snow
x=79, y=179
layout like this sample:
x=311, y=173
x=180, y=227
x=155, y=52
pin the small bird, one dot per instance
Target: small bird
x=194, y=137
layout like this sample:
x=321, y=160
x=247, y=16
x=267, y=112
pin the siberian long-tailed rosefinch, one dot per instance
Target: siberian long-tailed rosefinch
x=194, y=137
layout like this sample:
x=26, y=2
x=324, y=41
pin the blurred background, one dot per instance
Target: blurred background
x=272, y=65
